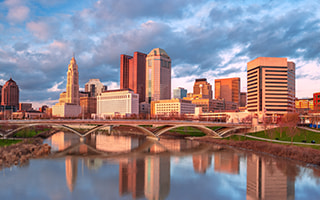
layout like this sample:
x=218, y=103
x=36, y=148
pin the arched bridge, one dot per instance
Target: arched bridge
x=164, y=126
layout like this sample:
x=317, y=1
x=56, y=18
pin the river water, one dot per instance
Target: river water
x=123, y=167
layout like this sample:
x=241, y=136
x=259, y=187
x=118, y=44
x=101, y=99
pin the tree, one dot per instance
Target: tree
x=291, y=120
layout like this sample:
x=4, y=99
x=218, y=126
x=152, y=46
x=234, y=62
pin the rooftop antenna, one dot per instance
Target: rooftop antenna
x=72, y=54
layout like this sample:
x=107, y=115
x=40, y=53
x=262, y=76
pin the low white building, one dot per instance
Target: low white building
x=117, y=102
x=66, y=110
x=173, y=106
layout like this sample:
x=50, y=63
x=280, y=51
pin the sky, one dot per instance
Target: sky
x=205, y=39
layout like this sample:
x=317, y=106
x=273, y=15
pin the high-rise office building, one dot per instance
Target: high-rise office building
x=0, y=94
x=202, y=89
x=271, y=85
x=94, y=87
x=73, y=83
x=133, y=73
x=10, y=94
x=158, y=75
x=69, y=102
x=179, y=93
x=228, y=89
x=243, y=99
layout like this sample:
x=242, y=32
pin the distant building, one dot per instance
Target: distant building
x=271, y=85
x=202, y=89
x=10, y=94
x=94, y=87
x=179, y=93
x=0, y=94
x=172, y=107
x=228, y=89
x=243, y=99
x=88, y=106
x=133, y=73
x=113, y=102
x=316, y=101
x=158, y=75
x=144, y=108
x=303, y=106
x=25, y=106
x=69, y=102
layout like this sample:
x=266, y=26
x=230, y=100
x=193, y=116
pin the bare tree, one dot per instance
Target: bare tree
x=291, y=120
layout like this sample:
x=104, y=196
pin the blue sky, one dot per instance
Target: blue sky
x=205, y=39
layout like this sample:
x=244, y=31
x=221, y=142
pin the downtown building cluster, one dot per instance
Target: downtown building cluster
x=145, y=91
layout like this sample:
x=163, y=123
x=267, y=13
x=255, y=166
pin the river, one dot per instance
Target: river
x=131, y=167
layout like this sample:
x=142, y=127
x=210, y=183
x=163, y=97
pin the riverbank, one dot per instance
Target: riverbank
x=302, y=154
x=20, y=153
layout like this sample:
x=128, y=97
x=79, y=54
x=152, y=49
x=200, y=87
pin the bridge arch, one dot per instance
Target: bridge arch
x=204, y=129
x=144, y=130
x=53, y=125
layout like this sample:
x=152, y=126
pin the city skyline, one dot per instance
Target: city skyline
x=205, y=39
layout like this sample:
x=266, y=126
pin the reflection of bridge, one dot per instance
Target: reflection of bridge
x=163, y=126
x=142, y=150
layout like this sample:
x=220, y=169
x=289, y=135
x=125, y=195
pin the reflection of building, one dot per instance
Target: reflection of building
x=61, y=140
x=271, y=85
x=172, y=107
x=158, y=75
x=71, y=172
x=133, y=73
x=179, y=93
x=94, y=87
x=10, y=94
x=228, y=89
x=122, y=102
x=201, y=163
x=69, y=102
x=266, y=181
x=226, y=162
x=116, y=143
x=157, y=177
x=131, y=177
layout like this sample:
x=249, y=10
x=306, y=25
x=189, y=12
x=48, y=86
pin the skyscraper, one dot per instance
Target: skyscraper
x=73, y=83
x=179, y=93
x=202, y=89
x=94, y=87
x=69, y=102
x=158, y=75
x=271, y=85
x=227, y=89
x=133, y=73
x=10, y=94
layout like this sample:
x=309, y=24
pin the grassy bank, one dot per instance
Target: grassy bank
x=189, y=131
x=29, y=132
x=7, y=142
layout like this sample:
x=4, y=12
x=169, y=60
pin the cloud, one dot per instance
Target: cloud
x=40, y=29
x=17, y=11
x=20, y=46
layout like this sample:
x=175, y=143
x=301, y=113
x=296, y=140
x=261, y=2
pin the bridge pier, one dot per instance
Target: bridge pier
x=82, y=139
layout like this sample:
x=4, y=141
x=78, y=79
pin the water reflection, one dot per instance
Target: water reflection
x=266, y=180
x=118, y=167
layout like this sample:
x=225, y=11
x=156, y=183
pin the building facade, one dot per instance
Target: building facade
x=10, y=94
x=303, y=106
x=69, y=102
x=179, y=93
x=122, y=102
x=243, y=99
x=72, y=95
x=25, y=106
x=202, y=89
x=316, y=101
x=88, y=106
x=271, y=85
x=94, y=87
x=158, y=75
x=133, y=73
x=228, y=89
x=172, y=107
